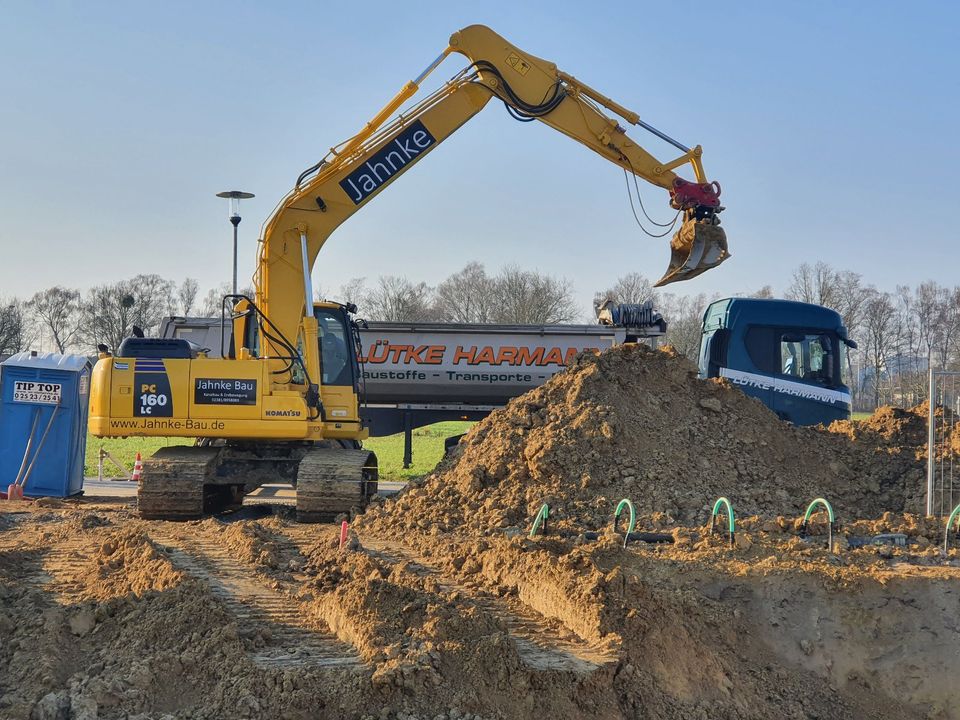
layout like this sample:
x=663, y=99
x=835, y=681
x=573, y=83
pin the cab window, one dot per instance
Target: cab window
x=810, y=357
x=844, y=365
x=334, y=348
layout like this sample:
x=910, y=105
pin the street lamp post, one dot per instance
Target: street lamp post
x=235, y=196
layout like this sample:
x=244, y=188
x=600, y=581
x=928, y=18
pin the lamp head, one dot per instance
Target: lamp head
x=235, y=196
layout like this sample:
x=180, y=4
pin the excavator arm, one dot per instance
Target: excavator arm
x=353, y=173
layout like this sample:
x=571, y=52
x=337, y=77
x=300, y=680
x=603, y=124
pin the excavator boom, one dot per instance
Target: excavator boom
x=532, y=89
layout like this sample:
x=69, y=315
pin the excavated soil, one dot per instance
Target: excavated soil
x=636, y=423
x=902, y=431
x=441, y=607
x=138, y=619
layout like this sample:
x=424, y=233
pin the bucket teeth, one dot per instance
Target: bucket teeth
x=696, y=247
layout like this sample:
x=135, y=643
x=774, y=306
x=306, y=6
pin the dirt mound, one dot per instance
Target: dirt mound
x=409, y=626
x=636, y=423
x=126, y=561
x=901, y=431
x=256, y=543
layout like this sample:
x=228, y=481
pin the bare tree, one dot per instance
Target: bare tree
x=929, y=306
x=107, y=314
x=630, y=288
x=526, y=297
x=879, y=321
x=58, y=310
x=948, y=350
x=684, y=316
x=153, y=300
x=213, y=300
x=354, y=291
x=396, y=299
x=467, y=296
x=819, y=284
x=13, y=326
x=907, y=359
x=841, y=290
x=187, y=296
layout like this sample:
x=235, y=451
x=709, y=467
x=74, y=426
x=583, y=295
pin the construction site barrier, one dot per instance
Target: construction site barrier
x=633, y=519
x=946, y=532
x=731, y=523
x=540, y=521
x=810, y=510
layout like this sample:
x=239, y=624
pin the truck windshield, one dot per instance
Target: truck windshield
x=811, y=357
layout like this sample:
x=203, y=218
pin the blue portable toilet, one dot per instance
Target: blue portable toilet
x=43, y=422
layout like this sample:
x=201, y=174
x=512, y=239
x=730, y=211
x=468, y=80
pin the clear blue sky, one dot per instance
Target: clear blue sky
x=831, y=126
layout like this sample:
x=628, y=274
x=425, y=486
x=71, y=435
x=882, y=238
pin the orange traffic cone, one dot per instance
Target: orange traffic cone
x=137, y=468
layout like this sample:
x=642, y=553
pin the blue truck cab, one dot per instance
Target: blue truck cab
x=789, y=355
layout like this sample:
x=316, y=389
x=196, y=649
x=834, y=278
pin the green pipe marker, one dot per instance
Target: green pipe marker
x=633, y=518
x=540, y=521
x=810, y=510
x=946, y=532
x=731, y=522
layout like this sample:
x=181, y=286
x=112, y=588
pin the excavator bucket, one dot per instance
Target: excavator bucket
x=695, y=248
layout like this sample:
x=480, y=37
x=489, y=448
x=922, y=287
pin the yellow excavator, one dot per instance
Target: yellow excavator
x=284, y=405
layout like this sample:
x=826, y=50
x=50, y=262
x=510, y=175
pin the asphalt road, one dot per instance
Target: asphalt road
x=279, y=493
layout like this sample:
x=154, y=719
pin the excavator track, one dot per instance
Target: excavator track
x=541, y=644
x=333, y=481
x=173, y=483
x=291, y=641
x=56, y=567
x=187, y=483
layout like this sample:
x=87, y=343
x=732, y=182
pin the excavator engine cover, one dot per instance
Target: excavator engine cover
x=695, y=248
